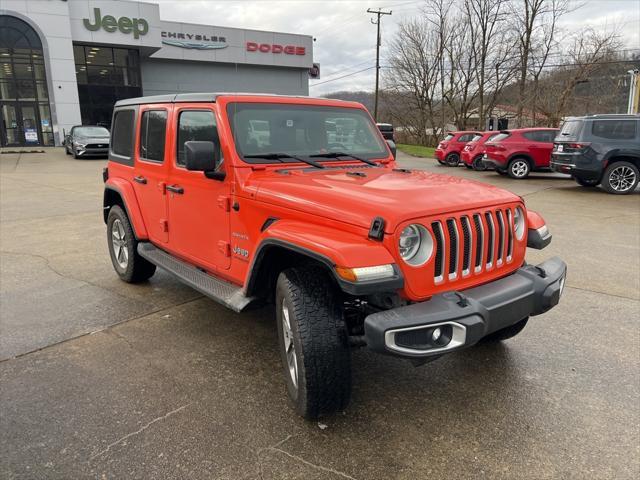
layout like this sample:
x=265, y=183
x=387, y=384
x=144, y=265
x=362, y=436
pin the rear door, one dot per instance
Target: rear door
x=151, y=170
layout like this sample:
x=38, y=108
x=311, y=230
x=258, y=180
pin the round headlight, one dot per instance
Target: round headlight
x=415, y=245
x=518, y=223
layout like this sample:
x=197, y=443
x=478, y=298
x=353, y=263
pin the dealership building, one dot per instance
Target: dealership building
x=65, y=63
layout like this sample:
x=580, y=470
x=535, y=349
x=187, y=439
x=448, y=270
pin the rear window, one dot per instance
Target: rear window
x=122, y=138
x=499, y=137
x=466, y=137
x=448, y=137
x=614, y=129
x=476, y=138
x=492, y=138
x=570, y=129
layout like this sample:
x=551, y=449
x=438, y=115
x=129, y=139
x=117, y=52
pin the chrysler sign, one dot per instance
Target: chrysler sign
x=194, y=41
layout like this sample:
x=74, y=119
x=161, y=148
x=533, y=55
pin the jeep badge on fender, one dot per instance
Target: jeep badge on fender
x=350, y=249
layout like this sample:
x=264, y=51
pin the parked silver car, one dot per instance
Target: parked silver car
x=87, y=141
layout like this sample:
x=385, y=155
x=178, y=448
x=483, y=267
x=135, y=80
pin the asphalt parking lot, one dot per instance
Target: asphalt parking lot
x=101, y=379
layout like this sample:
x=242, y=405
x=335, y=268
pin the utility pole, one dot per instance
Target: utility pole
x=379, y=13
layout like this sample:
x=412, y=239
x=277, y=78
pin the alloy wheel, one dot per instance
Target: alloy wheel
x=622, y=178
x=289, y=346
x=519, y=168
x=119, y=242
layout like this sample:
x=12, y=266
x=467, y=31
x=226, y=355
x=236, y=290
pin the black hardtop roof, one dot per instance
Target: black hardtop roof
x=199, y=97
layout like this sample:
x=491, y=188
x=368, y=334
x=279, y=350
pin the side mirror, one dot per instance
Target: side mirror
x=392, y=146
x=202, y=156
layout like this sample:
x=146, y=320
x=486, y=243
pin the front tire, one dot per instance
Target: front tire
x=620, y=178
x=313, y=342
x=506, y=333
x=518, y=168
x=452, y=160
x=123, y=249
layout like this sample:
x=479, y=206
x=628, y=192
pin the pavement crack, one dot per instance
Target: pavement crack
x=140, y=430
x=603, y=293
x=276, y=448
x=312, y=465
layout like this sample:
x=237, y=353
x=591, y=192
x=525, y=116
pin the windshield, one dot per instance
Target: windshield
x=302, y=131
x=91, y=131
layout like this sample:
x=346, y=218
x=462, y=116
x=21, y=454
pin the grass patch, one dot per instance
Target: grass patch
x=417, y=150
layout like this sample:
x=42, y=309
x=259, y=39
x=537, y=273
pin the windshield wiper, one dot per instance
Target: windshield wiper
x=280, y=156
x=342, y=154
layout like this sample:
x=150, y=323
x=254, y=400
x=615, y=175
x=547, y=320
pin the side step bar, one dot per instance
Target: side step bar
x=227, y=294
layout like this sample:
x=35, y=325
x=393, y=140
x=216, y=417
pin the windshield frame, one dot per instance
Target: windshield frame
x=78, y=131
x=231, y=108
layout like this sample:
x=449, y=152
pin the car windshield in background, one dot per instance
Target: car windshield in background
x=302, y=131
x=91, y=132
x=499, y=137
x=570, y=129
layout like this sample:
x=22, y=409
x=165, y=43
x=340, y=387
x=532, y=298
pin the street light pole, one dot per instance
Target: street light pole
x=379, y=13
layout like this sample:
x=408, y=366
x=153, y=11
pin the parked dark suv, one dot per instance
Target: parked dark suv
x=600, y=149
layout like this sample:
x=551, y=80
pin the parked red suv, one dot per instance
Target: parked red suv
x=473, y=151
x=518, y=152
x=449, y=149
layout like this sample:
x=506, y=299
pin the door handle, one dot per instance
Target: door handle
x=140, y=180
x=175, y=189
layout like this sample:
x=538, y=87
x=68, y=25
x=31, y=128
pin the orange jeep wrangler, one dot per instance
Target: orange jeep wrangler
x=300, y=202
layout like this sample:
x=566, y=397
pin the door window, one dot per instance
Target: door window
x=199, y=125
x=153, y=127
x=614, y=129
x=122, y=138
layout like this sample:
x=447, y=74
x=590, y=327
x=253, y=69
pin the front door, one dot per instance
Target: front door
x=198, y=206
x=19, y=124
x=151, y=170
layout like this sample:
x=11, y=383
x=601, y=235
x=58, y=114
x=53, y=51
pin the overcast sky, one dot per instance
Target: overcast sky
x=345, y=38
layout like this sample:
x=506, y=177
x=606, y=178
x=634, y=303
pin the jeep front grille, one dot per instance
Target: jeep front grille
x=470, y=244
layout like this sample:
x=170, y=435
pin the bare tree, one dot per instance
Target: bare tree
x=587, y=52
x=531, y=20
x=415, y=76
x=485, y=23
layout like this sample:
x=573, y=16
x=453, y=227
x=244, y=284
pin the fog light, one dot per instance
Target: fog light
x=435, y=335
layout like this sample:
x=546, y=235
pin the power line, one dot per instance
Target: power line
x=343, y=76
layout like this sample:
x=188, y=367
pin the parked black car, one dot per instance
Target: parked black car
x=87, y=141
x=600, y=149
x=387, y=130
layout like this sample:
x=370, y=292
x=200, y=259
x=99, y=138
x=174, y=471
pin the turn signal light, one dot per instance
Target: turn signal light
x=363, y=274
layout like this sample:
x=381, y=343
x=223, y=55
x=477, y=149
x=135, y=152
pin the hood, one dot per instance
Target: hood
x=358, y=195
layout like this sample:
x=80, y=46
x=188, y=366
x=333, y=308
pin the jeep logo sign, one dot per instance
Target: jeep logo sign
x=126, y=25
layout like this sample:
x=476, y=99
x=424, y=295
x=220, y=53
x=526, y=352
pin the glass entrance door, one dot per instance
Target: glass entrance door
x=19, y=124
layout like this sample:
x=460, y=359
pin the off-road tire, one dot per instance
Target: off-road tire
x=478, y=164
x=586, y=183
x=626, y=169
x=321, y=349
x=452, y=160
x=137, y=269
x=506, y=333
x=517, y=165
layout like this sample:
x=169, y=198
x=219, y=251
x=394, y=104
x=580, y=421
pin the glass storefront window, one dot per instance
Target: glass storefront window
x=105, y=75
x=26, y=116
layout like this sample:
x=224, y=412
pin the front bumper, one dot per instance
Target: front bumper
x=468, y=316
x=91, y=152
